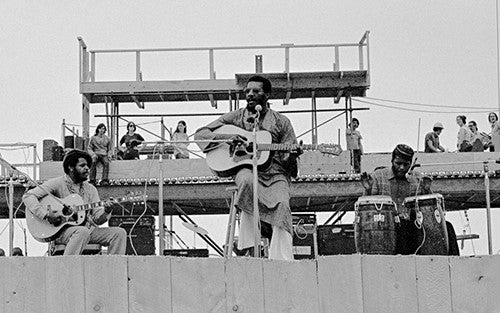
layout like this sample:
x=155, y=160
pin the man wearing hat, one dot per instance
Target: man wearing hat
x=399, y=182
x=431, y=142
x=76, y=166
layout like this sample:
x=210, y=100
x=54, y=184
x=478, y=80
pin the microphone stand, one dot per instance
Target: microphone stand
x=256, y=215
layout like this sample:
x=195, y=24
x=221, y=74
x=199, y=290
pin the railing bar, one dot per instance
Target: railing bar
x=226, y=48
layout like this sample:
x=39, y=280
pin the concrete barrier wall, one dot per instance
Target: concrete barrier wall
x=351, y=283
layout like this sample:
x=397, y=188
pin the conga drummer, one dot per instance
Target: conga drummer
x=406, y=187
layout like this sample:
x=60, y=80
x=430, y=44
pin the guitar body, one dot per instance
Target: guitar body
x=42, y=230
x=225, y=164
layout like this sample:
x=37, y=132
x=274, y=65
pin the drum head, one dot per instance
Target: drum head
x=374, y=199
x=431, y=196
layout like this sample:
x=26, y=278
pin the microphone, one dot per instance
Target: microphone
x=258, y=108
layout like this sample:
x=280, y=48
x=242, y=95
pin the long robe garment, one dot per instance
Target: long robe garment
x=274, y=183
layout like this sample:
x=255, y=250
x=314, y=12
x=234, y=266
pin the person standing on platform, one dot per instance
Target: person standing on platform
x=495, y=129
x=464, y=135
x=399, y=182
x=180, y=149
x=131, y=140
x=100, y=150
x=76, y=168
x=432, y=139
x=274, y=182
x=479, y=140
x=353, y=139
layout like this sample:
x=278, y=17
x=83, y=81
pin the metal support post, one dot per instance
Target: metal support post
x=314, y=119
x=161, y=216
x=11, y=213
x=488, y=207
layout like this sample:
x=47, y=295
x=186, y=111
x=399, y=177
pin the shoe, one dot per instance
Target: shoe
x=104, y=182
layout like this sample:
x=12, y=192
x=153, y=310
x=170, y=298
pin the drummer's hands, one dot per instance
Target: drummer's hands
x=367, y=182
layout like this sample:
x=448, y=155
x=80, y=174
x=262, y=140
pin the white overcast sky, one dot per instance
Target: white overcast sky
x=430, y=52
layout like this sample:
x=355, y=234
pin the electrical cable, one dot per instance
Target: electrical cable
x=430, y=105
x=414, y=110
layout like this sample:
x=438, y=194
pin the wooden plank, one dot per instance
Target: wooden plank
x=245, y=285
x=290, y=286
x=475, y=284
x=433, y=284
x=389, y=284
x=340, y=284
x=149, y=284
x=65, y=284
x=105, y=284
x=23, y=285
x=198, y=285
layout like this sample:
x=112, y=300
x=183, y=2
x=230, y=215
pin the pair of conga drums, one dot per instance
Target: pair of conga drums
x=378, y=230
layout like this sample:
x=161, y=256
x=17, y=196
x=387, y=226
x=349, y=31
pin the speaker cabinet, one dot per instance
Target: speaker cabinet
x=336, y=239
x=140, y=239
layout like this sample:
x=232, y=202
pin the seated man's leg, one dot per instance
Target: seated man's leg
x=75, y=238
x=281, y=246
x=452, y=240
x=115, y=238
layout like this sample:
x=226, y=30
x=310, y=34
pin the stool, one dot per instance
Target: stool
x=231, y=224
x=58, y=249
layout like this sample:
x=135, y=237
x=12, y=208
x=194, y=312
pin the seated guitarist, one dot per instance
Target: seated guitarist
x=76, y=168
x=274, y=182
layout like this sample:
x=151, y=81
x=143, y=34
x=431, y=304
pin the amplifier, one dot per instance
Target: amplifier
x=192, y=253
x=304, y=236
x=142, y=236
x=129, y=220
x=336, y=239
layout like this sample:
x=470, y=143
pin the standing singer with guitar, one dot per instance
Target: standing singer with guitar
x=76, y=168
x=274, y=180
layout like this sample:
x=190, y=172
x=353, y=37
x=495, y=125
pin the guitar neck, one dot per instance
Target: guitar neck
x=285, y=147
x=93, y=205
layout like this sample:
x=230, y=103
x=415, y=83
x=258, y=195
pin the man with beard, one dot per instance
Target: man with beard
x=399, y=182
x=274, y=182
x=76, y=168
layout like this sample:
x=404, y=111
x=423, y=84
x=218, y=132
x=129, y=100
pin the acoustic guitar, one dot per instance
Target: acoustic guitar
x=225, y=160
x=72, y=210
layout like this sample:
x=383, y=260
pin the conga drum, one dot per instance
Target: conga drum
x=427, y=213
x=375, y=225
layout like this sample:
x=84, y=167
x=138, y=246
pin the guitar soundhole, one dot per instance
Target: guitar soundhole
x=66, y=210
x=240, y=150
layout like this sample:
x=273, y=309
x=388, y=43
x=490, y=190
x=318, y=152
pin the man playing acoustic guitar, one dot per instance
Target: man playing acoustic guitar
x=274, y=180
x=76, y=168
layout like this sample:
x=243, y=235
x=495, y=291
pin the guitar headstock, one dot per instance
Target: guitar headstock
x=332, y=149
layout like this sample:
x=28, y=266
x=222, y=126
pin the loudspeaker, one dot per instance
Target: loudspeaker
x=304, y=236
x=142, y=236
x=336, y=239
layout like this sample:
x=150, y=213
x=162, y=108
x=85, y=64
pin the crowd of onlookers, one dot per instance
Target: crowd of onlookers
x=16, y=251
x=469, y=138
x=129, y=146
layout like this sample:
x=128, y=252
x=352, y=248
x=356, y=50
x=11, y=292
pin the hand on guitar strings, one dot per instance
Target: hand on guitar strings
x=108, y=205
x=236, y=140
x=53, y=218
